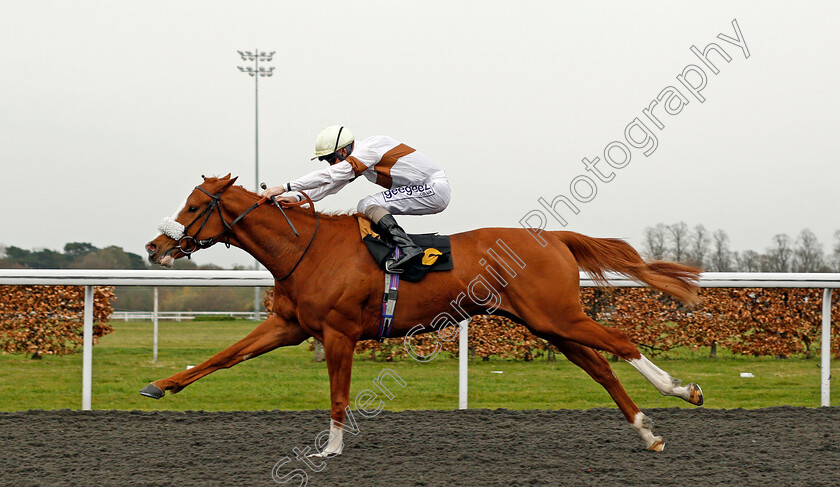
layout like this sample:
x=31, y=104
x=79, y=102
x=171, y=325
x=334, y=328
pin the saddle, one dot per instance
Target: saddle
x=437, y=250
x=437, y=256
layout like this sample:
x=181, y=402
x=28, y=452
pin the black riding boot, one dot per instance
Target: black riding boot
x=409, y=249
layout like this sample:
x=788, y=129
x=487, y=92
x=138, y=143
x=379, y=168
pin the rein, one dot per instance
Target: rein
x=312, y=239
x=187, y=249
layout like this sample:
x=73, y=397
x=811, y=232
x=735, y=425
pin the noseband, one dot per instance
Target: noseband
x=189, y=244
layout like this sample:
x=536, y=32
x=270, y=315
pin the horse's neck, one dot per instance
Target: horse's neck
x=266, y=235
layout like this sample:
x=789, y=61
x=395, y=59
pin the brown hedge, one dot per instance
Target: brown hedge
x=754, y=322
x=48, y=320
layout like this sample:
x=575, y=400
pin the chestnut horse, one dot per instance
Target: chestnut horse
x=328, y=287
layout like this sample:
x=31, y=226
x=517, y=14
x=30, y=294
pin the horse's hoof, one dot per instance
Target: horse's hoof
x=152, y=391
x=324, y=454
x=695, y=395
x=658, y=445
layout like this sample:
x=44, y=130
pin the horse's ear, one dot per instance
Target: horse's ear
x=228, y=176
x=229, y=182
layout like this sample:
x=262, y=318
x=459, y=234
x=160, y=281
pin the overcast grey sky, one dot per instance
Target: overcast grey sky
x=110, y=111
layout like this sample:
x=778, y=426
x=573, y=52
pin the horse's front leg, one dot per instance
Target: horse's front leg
x=339, y=354
x=272, y=333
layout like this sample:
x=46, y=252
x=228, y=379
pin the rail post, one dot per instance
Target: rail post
x=825, y=350
x=87, y=351
x=463, y=364
x=155, y=326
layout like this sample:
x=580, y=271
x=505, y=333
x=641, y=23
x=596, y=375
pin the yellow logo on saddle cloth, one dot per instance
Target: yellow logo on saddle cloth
x=430, y=256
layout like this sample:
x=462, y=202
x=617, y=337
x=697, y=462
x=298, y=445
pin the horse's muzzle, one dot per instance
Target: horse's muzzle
x=161, y=252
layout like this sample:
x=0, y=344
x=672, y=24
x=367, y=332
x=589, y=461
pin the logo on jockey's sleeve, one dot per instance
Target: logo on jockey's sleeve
x=412, y=191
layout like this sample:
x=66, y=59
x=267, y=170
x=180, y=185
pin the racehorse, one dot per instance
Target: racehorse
x=327, y=286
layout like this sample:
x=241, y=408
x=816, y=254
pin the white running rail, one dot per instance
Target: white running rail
x=181, y=315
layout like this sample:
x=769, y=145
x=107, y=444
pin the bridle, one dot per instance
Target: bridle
x=189, y=244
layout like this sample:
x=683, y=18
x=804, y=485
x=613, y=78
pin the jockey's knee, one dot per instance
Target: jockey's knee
x=366, y=203
x=375, y=212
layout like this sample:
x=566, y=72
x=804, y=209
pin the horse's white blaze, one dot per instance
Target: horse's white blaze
x=171, y=228
x=183, y=205
x=644, y=426
x=664, y=383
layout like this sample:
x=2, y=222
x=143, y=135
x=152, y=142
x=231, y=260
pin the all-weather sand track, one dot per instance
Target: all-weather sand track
x=772, y=446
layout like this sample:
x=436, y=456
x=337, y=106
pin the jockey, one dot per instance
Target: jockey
x=414, y=185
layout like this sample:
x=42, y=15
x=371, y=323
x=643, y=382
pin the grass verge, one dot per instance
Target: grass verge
x=289, y=379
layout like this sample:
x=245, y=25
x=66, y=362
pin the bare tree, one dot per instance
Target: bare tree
x=678, y=233
x=835, y=256
x=808, y=256
x=699, y=246
x=654, y=244
x=721, y=258
x=749, y=261
x=779, y=256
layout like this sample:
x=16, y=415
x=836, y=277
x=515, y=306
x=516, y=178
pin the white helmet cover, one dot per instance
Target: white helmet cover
x=331, y=139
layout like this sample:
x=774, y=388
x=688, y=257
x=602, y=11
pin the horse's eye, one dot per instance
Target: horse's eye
x=193, y=209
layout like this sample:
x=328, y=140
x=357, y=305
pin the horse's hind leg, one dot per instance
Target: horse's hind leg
x=594, y=364
x=665, y=384
x=578, y=327
x=268, y=335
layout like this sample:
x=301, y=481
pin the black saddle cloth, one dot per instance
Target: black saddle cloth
x=383, y=249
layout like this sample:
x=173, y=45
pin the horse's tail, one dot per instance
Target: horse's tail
x=597, y=255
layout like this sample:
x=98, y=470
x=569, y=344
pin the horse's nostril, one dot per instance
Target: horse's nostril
x=151, y=248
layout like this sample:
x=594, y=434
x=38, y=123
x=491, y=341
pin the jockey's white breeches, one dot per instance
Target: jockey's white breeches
x=430, y=196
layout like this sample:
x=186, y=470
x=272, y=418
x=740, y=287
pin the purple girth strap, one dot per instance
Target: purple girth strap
x=389, y=300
